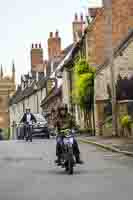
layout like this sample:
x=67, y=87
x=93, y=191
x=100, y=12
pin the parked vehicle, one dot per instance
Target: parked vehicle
x=67, y=156
x=39, y=129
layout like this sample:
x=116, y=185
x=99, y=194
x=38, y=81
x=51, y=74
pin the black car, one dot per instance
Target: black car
x=40, y=129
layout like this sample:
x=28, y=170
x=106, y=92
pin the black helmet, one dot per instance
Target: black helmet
x=28, y=109
x=63, y=107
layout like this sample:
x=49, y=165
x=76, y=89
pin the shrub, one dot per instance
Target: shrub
x=6, y=134
x=126, y=121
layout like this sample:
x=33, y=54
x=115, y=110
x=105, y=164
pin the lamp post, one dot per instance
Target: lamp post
x=109, y=53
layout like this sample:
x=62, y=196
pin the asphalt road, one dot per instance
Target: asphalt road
x=27, y=172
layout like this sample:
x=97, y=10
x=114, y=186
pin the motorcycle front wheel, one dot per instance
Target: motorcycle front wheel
x=70, y=166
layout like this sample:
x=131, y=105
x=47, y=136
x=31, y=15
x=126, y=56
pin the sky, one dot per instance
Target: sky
x=24, y=22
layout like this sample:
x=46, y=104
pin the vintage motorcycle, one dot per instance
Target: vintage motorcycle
x=67, y=156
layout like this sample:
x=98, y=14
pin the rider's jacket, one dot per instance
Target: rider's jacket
x=28, y=117
x=64, y=122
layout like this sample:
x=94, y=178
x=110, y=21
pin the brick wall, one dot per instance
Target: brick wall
x=122, y=17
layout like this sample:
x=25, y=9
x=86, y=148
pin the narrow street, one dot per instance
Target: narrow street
x=28, y=172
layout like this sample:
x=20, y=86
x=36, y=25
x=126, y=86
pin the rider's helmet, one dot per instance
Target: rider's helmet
x=63, y=107
x=28, y=109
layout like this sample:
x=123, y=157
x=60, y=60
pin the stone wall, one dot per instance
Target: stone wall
x=123, y=65
x=102, y=128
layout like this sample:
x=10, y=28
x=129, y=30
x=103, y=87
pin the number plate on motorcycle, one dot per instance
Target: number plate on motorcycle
x=68, y=140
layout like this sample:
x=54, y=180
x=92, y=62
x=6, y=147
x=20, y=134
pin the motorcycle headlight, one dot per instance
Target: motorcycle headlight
x=71, y=140
x=66, y=140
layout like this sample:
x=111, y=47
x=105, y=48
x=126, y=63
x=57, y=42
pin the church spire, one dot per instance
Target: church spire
x=13, y=67
x=1, y=72
x=13, y=71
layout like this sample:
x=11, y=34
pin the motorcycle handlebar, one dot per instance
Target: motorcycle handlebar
x=22, y=124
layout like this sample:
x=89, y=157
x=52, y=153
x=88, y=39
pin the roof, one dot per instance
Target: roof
x=29, y=90
x=21, y=94
x=65, y=56
x=119, y=49
x=54, y=92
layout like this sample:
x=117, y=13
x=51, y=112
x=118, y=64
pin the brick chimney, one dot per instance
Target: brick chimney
x=36, y=58
x=92, y=12
x=54, y=45
x=78, y=27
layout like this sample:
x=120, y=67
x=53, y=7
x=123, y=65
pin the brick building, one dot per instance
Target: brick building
x=122, y=18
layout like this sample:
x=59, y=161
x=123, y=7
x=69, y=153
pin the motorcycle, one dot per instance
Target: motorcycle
x=67, y=156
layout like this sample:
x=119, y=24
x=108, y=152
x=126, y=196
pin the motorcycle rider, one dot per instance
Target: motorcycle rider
x=64, y=121
x=27, y=119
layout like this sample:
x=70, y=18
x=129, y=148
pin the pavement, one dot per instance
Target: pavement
x=116, y=144
x=27, y=172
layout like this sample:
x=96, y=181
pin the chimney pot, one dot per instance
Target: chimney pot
x=81, y=17
x=92, y=12
x=32, y=46
x=51, y=34
x=76, y=17
x=40, y=46
x=57, y=34
x=36, y=46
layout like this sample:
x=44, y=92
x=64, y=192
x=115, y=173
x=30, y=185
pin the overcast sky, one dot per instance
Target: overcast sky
x=26, y=21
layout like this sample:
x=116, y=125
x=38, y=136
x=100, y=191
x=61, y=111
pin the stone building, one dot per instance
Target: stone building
x=123, y=65
x=93, y=47
x=7, y=89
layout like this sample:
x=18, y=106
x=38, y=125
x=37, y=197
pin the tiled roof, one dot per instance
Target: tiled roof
x=21, y=94
x=54, y=92
x=29, y=90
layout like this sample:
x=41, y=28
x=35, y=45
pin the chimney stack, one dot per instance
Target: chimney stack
x=54, y=45
x=78, y=27
x=92, y=12
x=36, y=58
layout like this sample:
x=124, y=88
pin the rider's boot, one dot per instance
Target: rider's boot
x=78, y=160
x=58, y=161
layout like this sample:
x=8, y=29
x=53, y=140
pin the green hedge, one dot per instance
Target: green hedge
x=6, y=133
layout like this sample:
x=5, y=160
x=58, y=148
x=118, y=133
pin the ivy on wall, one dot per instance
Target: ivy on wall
x=83, y=94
